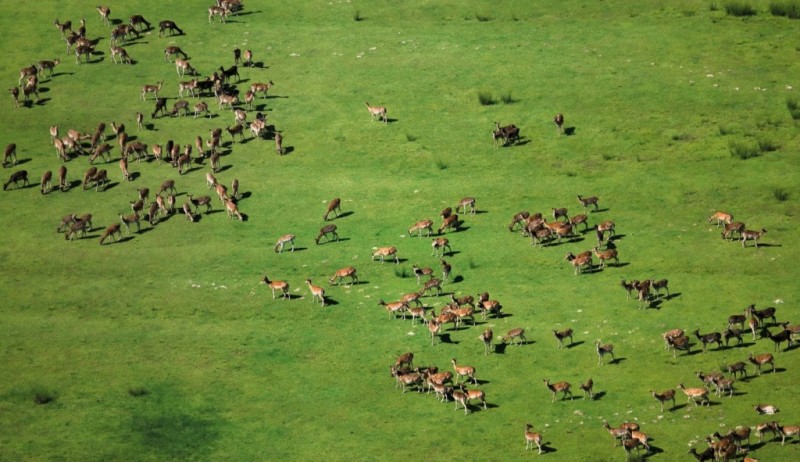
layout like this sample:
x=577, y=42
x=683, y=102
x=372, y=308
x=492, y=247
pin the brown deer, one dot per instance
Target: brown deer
x=154, y=89
x=766, y=409
x=383, y=252
x=608, y=254
x=47, y=66
x=279, y=144
x=261, y=88
x=472, y=395
x=127, y=220
x=440, y=246
x=16, y=177
x=121, y=53
x=446, y=269
x=558, y=387
x=734, y=227
x=486, y=337
x=696, y=394
x=200, y=108
x=519, y=218
x=578, y=220
x=561, y=335
x=679, y=343
x=317, y=292
x=45, y=185
x=663, y=397
x=217, y=11
x=424, y=225
x=602, y=350
x=587, y=201
x=327, y=231
x=451, y=222
x=579, y=262
x=104, y=13
x=705, y=339
x=377, y=112
x=514, y=334
x=431, y=284
x=434, y=328
x=721, y=218
x=100, y=151
x=464, y=372
x=111, y=230
x=748, y=235
x=559, y=121
x=283, y=240
x=467, y=202
x=587, y=388
x=346, y=272
x=173, y=28
x=199, y=201
x=419, y=272
x=171, y=51
x=532, y=438
x=62, y=178
x=560, y=213
x=233, y=209
x=182, y=67
x=787, y=431
x=15, y=96
x=281, y=286
x=624, y=430
x=10, y=153
x=333, y=206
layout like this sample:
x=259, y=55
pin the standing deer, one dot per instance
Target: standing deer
x=45, y=184
x=440, y=246
x=9, y=154
x=748, y=235
x=602, y=350
x=486, y=337
x=664, y=396
x=558, y=387
x=317, y=292
x=377, y=112
x=233, y=209
x=15, y=95
x=279, y=143
x=346, y=272
x=62, y=178
x=281, y=286
x=559, y=121
x=154, y=89
x=467, y=202
x=104, y=13
x=283, y=240
x=383, y=252
x=587, y=201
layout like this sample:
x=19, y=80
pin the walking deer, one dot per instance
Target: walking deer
x=377, y=112
x=760, y=360
x=467, y=202
x=418, y=227
x=261, y=88
x=748, y=235
x=346, y=272
x=233, y=209
x=127, y=220
x=514, y=334
x=279, y=144
x=608, y=254
x=283, y=240
x=383, y=252
x=317, y=292
x=696, y=394
x=281, y=286
x=558, y=387
x=587, y=201
x=721, y=218
x=121, y=53
x=664, y=396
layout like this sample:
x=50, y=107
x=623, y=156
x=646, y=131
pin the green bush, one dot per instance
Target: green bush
x=788, y=8
x=743, y=150
x=486, y=98
x=794, y=108
x=780, y=194
x=506, y=98
x=737, y=8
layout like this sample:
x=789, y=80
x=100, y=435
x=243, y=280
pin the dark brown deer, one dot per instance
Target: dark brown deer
x=755, y=236
x=734, y=227
x=559, y=121
x=111, y=231
x=168, y=25
x=587, y=201
x=279, y=144
x=9, y=154
x=16, y=177
x=46, y=183
x=762, y=315
x=326, y=231
x=561, y=335
x=705, y=339
x=200, y=201
x=451, y=222
x=519, y=218
x=333, y=206
x=171, y=51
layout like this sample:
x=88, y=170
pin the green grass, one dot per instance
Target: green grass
x=165, y=346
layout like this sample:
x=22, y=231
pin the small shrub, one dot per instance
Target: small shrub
x=506, y=98
x=713, y=7
x=727, y=130
x=789, y=8
x=780, y=194
x=472, y=264
x=743, y=150
x=482, y=18
x=485, y=98
x=688, y=13
x=137, y=391
x=739, y=8
x=411, y=138
x=794, y=108
x=357, y=16
x=440, y=164
x=401, y=273
x=41, y=396
x=607, y=157
x=767, y=145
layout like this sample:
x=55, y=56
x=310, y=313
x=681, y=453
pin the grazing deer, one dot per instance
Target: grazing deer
x=111, y=231
x=579, y=262
x=587, y=388
x=514, y=334
x=767, y=409
x=182, y=67
x=346, y=272
x=418, y=227
x=173, y=28
x=760, y=360
x=16, y=177
x=679, y=343
x=696, y=394
x=9, y=153
x=161, y=106
x=624, y=430
x=217, y=11
x=705, y=339
x=587, y=201
x=416, y=312
x=317, y=292
x=200, y=201
x=261, y=88
x=46, y=182
x=283, y=240
x=47, y=66
x=171, y=51
x=279, y=143
x=664, y=396
x=730, y=228
x=467, y=202
x=222, y=192
x=326, y=231
x=405, y=359
x=721, y=218
x=559, y=121
x=451, y=222
x=440, y=246
x=431, y=284
x=167, y=185
x=333, y=206
x=558, y=387
x=579, y=219
x=383, y=252
x=187, y=211
x=606, y=255
x=180, y=108
x=519, y=218
x=281, y=286
x=62, y=178
x=138, y=20
x=602, y=350
x=233, y=209
x=127, y=220
x=732, y=332
x=121, y=53
x=377, y=112
x=787, y=431
x=748, y=235
x=561, y=335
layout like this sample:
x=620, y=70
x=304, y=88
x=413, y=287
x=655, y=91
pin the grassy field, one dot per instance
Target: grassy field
x=165, y=346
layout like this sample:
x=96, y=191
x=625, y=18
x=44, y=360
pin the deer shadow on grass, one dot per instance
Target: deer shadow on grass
x=617, y=360
x=457, y=279
x=574, y=344
x=287, y=150
x=598, y=396
x=445, y=338
x=345, y=214
x=569, y=131
x=20, y=162
x=143, y=229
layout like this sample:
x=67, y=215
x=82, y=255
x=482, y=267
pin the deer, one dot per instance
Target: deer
x=261, y=88
x=45, y=185
x=226, y=74
x=167, y=185
x=171, y=51
x=217, y=11
x=180, y=108
x=182, y=67
x=706, y=455
x=283, y=240
x=279, y=144
x=782, y=336
x=48, y=66
x=559, y=121
x=602, y=350
x=664, y=396
x=508, y=134
x=486, y=337
x=622, y=431
x=730, y=333
x=233, y=209
x=419, y=272
x=473, y=394
x=111, y=231
x=326, y=231
x=168, y=25
x=16, y=178
x=200, y=201
x=464, y=372
x=608, y=254
x=154, y=89
x=679, y=343
x=487, y=306
x=434, y=328
x=767, y=409
x=755, y=236
x=121, y=53
x=705, y=339
x=187, y=211
x=723, y=385
x=519, y=218
x=696, y=394
x=222, y=192
x=407, y=379
x=123, y=166
x=394, y=307
x=451, y=222
x=587, y=388
x=431, y=284
x=248, y=58
x=760, y=360
x=317, y=292
x=446, y=269
x=63, y=27
x=467, y=202
x=753, y=324
x=405, y=359
x=383, y=252
x=721, y=218
x=559, y=387
x=737, y=368
x=787, y=431
x=333, y=206
x=730, y=228
x=229, y=100
x=532, y=438
x=160, y=107
x=440, y=246
x=62, y=178
x=127, y=220
x=579, y=262
x=418, y=227
x=10, y=154
x=761, y=315
x=587, y=201
x=377, y=112
x=561, y=335
x=280, y=286
x=15, y=96
x=346, y=272
x=514, y=334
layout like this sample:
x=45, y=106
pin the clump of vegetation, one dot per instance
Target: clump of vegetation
x=788, y=8
x=794, y=107
x=743, y=150
x=401, y=273
x=486, y=98
x=780, y=194
x=357, y=16
x=410, y=138
x=482, y=17
x=137, y=391
x=440, y=164
x=506, y=98
x=739, y=8
x=727, y=130
x=42, y=396
x=713, y=7
x=767, y=145
x=606, y=156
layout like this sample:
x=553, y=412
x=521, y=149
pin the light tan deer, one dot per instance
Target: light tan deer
x=333, y=206
x=317, y=292
x=154, y=89
x=696, y=394
x=603, y=350
x=532, y=438
x=760, y=360
x=261, y=88
x=514, y=334
x=183, y=66
x=283, y=240
x=721, y=218
x=346, y=272
x=233, y=209
x=104, y=13
x=558, y=387
x=377, y=112
x=383, y=252
x=465, y=372
x=281, y=286
x=424, y=225
x=440, y=246
x=467, y=202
